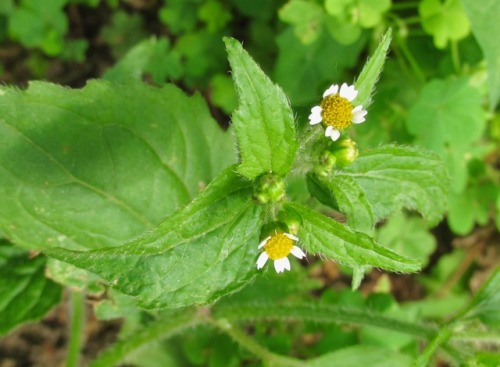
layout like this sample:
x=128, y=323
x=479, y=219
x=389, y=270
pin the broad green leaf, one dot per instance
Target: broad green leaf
x=322, y=235
x=486, y=303
x=365, y=84
x=445, y=20
x=483, y=16
x=408, y=236
x=95, y=167
x=392, y=178
x=197, y=255
x=152, y=56
x=27, y=294
x=362, y=355
x=263, y=122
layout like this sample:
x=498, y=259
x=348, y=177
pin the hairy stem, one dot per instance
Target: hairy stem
x=269, y=358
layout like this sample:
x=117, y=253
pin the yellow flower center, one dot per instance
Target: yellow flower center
x=336, y=111
x=278, y=246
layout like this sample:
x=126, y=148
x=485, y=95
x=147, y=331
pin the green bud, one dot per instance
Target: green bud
x=325, y=163
x=345, y=151
x=269, y=188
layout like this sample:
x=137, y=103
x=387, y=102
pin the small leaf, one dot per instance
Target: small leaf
x=151, y=56
x=97, y=166
x=322, y=235
x=27, y=294
x=306, y=17
x=486, y=303
x=408, y=236
x=348, y=197
x=445, y=21
x=197, y=255
x=483, y=16
x=392, y=178
x=264, y=121
x=448, y=112
x=371, y=72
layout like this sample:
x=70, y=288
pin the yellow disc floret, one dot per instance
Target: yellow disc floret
x=336, y=111
x=278, y=246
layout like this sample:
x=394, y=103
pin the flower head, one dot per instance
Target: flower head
x=336, y=111
x=277, y=247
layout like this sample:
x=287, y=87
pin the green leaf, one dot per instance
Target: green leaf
x=306, y=18
x=444, y=20
x=486, y=303
x=322, y=235
x=365, y=84
x=263, y=122
x=27, y=294
x=448, y=118
x=483, y=16
x=95, y=167
x=408, y=236
x=448, y=112
x=362, y=355
x=392, y=178
x=152, y=56
x=197, y=255
x=40, y=24
x=343, y=193
x=124, y=32
x=371, y=11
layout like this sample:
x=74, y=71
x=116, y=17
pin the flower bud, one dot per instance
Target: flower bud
x=345, y=152
x=269, y=188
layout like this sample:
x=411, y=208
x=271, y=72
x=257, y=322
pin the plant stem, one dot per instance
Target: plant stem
x=269, y=358
x=455, y=56
x=158, y=330
x=425, y=358
x=411, y=60
x=77, y=320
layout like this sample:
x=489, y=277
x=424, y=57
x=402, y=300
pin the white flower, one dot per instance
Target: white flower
x=336, y=111
x=277, y=247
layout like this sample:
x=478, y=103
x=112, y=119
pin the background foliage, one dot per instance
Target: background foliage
x=439, y=90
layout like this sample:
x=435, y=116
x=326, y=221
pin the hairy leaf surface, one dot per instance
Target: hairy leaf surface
x=371, y=71
x=197, y=255
x=322, y=235
x=97, y=166
x=264, y=121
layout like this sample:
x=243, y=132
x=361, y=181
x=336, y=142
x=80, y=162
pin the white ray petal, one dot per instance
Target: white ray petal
x=263, y=243
x=261, y=261
x=297, y=252
x=291, y=236
x=334, y=88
